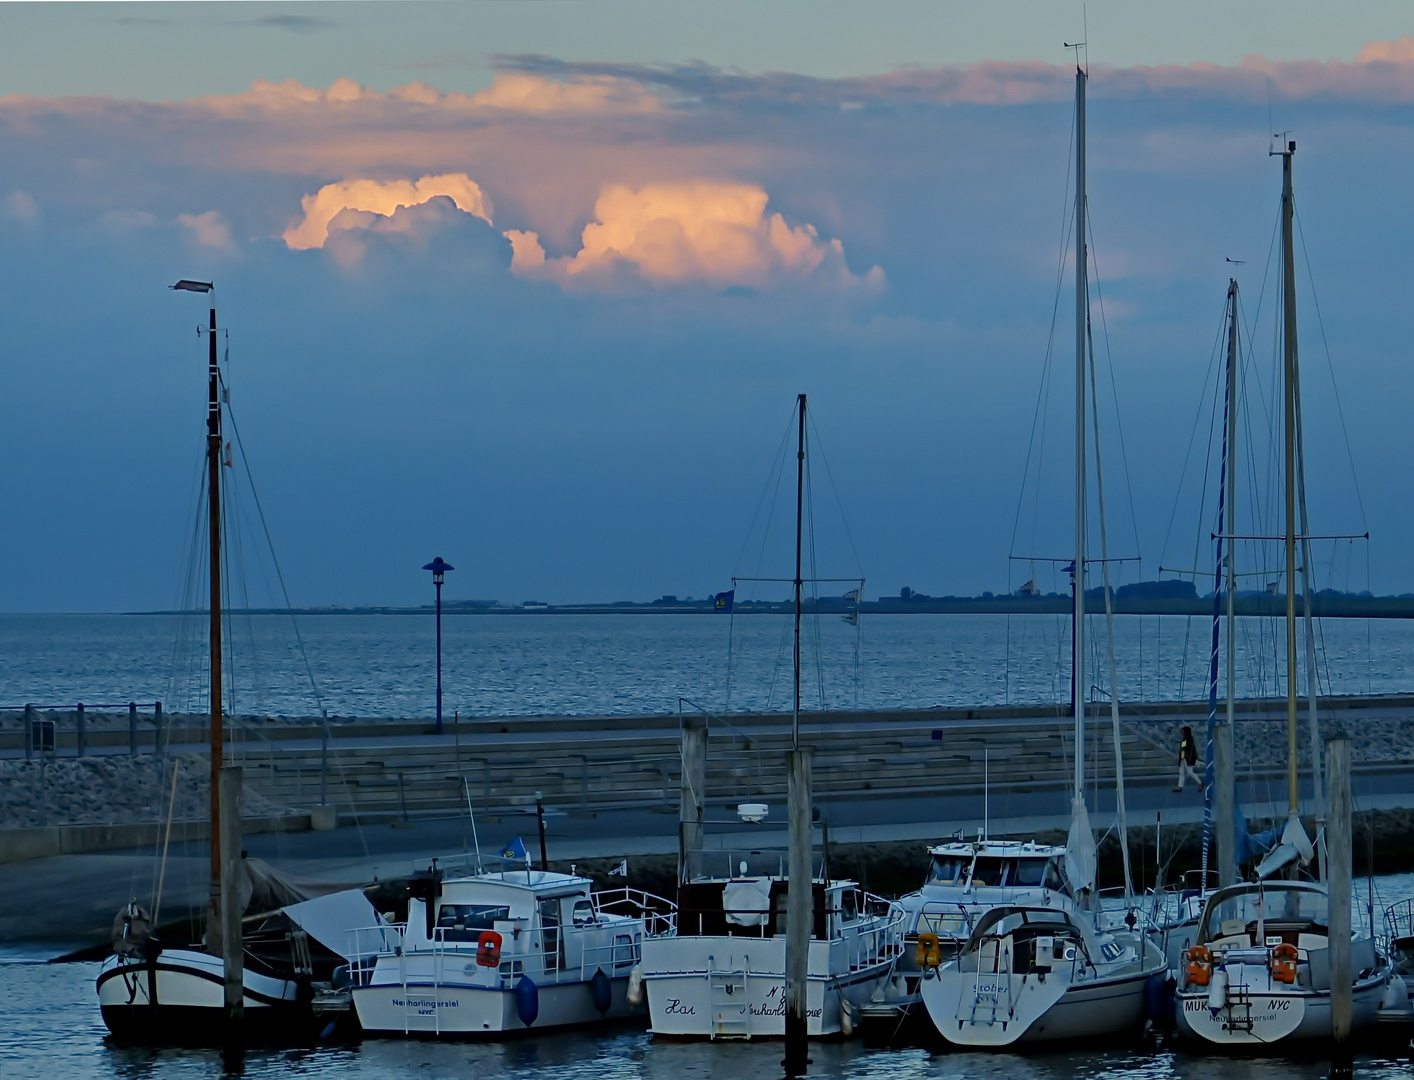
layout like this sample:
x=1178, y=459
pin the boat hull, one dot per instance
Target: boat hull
x=462, y=1011
x=1266, y=1018
x=179, y=999
x=1017, y=1009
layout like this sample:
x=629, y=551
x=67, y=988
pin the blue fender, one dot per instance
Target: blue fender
x=601, y=990
x=527, y=1000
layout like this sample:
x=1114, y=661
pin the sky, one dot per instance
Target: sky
x=533, y=287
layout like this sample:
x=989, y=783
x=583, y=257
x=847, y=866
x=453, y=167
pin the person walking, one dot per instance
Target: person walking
x=1187, y=759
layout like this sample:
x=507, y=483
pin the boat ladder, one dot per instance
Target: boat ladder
x=991, y=1002
x=726, y=997
x=1239, y=1007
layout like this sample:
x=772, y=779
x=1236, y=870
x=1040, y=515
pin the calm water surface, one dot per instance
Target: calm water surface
x=51, y=1030
x=384, y=665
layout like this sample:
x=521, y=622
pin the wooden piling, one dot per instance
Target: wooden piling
x=691, y=793
x=799, y=911
x=1338, y=841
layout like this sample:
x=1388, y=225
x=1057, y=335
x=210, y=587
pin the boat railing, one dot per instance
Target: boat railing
x=658, y=913
x=1399, y=922
x=947, y=920
x=880, y=943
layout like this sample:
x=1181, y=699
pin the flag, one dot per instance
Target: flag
x=723, y=600
x=852, y=597
x=516, y=850
x=621, y=870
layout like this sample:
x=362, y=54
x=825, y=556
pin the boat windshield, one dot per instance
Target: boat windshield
x=464, y=922
x=1237, y=911
x=948, y=869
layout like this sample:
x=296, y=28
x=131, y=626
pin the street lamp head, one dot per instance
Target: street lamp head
x=193, y=286
x=438, y=567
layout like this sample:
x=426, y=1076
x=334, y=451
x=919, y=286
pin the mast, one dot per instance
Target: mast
x=1221, y=776
x=213, y=498
x=1289, y=379
x=1077, y=660
x=799, y=511
x=1224, y=516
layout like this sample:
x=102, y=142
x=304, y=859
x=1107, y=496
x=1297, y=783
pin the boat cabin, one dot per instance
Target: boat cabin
x=998, y=865
x=748, y=894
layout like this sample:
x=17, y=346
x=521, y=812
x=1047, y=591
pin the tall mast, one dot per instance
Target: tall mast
x=213, y=498
x=799, y=512
x=1289, y=379
x=1077, y=660
x=1231, y=437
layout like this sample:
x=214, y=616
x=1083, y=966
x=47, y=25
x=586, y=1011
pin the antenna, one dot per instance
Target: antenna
x=1084, y=42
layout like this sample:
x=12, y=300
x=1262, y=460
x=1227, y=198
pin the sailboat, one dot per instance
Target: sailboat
x=1036, y=972
x=236, y=984
x=725, y=973
x=1258, y=973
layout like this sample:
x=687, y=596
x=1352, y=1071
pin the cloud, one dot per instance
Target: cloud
x=20, y=206
x=298, y=24
x=372, y=198
x=207, y=230
x=520, y=92
x=699, y=232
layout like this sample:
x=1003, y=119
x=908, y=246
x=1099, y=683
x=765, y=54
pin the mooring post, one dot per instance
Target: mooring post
x=29, y=732
x=1224, y=804
x=132, y=729
x=80, y=731
x=692, y=790
x=799, y=911
x=232, y=946
x=1338, y=841
x=324, y=767
x=159, y=744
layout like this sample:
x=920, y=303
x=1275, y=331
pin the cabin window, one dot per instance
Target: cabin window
x=550, y=933
x=1030, y=872
x=465, y=922
x=583, y=914
x=849, y=906
x=625, y=951
x=989, y=872
x=947, y=870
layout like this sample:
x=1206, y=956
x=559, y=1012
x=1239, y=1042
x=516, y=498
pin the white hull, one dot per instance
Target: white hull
x=1266, y=1017
x=1007, y=1009
x=734, y=987
x=467, y=1011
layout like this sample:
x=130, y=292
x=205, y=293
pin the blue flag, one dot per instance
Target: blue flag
x=516, y=850
x=723, y=600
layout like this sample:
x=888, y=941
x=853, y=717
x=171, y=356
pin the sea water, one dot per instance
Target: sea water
x=538, y=664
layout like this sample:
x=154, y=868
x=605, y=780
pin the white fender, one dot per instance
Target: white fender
x=635, y=987
x=846, y=1018
x=1217, y=990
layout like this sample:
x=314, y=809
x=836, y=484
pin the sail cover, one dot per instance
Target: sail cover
x=1079, y=848
x=331, y=920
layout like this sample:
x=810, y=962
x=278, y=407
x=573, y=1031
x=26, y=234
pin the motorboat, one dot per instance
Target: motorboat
x=490, y=954
x=1041, y=974
x=722, y=975
x=1259, y=973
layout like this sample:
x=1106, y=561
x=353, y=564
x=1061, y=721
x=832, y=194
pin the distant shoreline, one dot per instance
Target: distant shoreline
x=1328, y=606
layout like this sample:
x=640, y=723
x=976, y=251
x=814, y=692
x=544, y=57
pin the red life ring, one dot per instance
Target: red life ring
x=488, y=949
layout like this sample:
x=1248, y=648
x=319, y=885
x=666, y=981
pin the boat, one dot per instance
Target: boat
x=491, y=954
x=749, y=959
x=147, y=990
x=1099, y=986
x=1041, y=974
x=1260, y=972
x=722, y=976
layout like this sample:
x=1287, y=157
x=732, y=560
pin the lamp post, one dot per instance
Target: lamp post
x=439, y=567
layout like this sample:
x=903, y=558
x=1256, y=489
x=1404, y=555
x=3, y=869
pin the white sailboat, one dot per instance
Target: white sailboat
x=1258, y=972
x=999, y=989
x=724, y=973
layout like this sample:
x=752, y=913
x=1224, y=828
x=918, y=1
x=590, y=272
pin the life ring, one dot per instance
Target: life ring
x=929, y=952
x=1283, y=963
x=1199, y=965
x=488, y=949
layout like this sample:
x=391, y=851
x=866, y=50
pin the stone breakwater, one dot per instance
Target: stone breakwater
x=110, y=790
